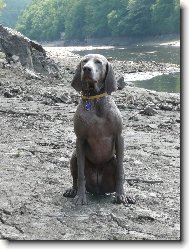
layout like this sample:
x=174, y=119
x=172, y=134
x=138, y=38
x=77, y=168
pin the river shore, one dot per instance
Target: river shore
x=170, y=39
x=37, y=140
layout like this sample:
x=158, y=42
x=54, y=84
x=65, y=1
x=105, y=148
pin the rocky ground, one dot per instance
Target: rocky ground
x=36, y=143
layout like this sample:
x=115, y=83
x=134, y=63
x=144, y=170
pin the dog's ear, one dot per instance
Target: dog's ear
x=110, y=80
x=76, y=82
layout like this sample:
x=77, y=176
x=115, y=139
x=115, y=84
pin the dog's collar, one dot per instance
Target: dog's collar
x=94, y=97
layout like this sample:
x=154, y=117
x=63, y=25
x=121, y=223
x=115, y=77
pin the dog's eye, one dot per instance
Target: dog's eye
x=85, y=61
x=98, y=61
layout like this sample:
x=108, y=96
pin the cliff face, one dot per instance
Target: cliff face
x=29, y=53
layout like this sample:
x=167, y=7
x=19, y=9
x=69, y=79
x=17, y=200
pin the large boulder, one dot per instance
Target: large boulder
x=31, y=54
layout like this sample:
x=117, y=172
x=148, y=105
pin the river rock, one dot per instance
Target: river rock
x=134, y=118
x=60, y=98
x=121, y=83
x=31, y=74
x=149, y=111
x=131, y=106
x=166, y=107
x=7, y=94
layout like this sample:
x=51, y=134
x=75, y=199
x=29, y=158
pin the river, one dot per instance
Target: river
x=161, y=53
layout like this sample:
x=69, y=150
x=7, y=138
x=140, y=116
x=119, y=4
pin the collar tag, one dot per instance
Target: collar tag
x=88, y=106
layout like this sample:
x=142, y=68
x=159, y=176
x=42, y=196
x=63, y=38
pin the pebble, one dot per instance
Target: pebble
x=149, y=111
x=32, y=75
x=121, y=83
x=134, y=118
x=8, y=95
x=131, y=106
x=166, y=107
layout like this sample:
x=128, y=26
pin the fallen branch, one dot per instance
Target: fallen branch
x=19, y=113
x=144, y=181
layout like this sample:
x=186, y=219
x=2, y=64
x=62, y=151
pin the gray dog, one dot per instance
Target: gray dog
x=97, y=163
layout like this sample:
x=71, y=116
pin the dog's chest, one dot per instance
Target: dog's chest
x=91, y=124
x=95, y=123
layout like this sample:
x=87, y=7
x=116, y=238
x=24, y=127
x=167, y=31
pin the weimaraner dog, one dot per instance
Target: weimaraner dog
x=97, y=162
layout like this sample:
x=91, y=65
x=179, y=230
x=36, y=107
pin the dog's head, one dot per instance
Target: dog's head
x=94, y=72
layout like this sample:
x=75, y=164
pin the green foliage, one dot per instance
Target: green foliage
x=81, y=19
x=165, y=16
x=2, y=4
x=42, y=20
x=75, y=17
x=12, y=9
x=138, y=19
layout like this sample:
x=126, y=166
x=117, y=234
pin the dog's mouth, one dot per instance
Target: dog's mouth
x=89, y=82
x=88, y=78
x=91, y=85
x=94, y=87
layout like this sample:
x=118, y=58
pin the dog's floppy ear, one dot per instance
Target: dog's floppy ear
x=110, y=80
x=76, y=82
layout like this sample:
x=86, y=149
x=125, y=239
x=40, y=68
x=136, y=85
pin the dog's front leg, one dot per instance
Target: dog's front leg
x=81, y=195
x=120, y=196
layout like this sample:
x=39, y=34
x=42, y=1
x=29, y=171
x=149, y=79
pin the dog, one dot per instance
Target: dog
x=97, y=163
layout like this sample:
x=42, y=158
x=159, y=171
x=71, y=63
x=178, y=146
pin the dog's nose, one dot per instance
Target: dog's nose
x=87, y=69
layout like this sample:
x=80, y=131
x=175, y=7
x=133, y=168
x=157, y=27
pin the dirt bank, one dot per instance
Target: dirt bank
x=36, y=142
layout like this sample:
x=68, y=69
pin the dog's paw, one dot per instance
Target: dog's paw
x=130, y=200
x=122, y=198
x=71, y=192
x=80, y=200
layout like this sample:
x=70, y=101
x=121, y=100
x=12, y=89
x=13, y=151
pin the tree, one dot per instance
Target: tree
x=12, y=9
x=165, y=16
x=42, y=20
x=96, y=19
x=2, y=4
x=138, y=20
x=75, y=19
x=80, y=19
x=117, y=18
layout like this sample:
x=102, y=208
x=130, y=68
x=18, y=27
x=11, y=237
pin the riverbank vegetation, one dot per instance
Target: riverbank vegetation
x=81, y=19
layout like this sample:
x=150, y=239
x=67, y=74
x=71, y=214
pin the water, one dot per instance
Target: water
x=162, y=83
x=159, y=53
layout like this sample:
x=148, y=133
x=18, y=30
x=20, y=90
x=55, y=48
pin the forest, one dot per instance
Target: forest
x=45, y=20
x=11, y=10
